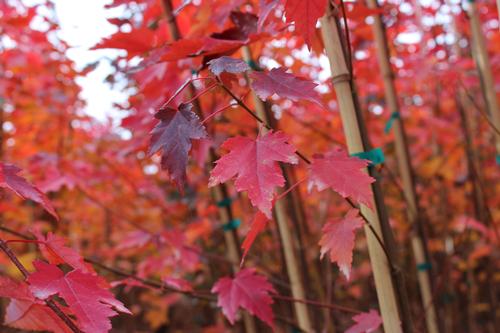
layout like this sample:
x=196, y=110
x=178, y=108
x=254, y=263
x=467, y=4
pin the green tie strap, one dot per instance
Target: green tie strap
x=253, y=65
x=424, y=266
x=390, y=122
x=231, y=225
x=226, y=202
x=375, y=156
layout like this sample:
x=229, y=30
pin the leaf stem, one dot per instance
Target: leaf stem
x=307, y=161
x=213, y=114
x=181, y=88
x=290, y=189
x=202, y=92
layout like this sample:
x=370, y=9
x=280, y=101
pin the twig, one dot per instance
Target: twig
x=199, y=294
x=316, y=303
x=307, y=161
x=50, y=303
x=481, y=111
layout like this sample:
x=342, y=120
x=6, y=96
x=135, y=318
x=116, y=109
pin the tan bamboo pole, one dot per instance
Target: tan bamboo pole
x=291, y=260
x=498, y=9
x=406, y=172
x=482, y=60
x=220, y=191
x=465, y=107
x=341, y=78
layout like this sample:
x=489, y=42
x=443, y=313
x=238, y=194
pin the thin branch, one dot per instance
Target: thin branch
x=481, y=111
x=199, y=294
x=50, y=303
x=316, y=303
x=243, y=105
x=307, y=161
x=347, y=36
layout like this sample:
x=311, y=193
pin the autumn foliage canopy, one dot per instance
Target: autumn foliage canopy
x=250, y=183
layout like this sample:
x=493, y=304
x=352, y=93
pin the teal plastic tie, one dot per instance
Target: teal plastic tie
x=390, y=122
x=232, y=225
x=447, y=298
x=253, y=65
x=226, y=202
x=425, y=266
x=375, y=156
x=497, y=159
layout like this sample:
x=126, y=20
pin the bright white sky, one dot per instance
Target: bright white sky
x=83, y=24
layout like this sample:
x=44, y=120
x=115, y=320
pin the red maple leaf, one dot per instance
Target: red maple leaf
x=54, y=250
x=176, y=283
x=253, y=163
x=338, y=240
x=247, y=290
x=265, y=8
x=343, y=174
x=173, y=136
x=136, y=42
x=10, y=179
x=284, y=84
x=228, y=65
x=178, y=50
x=25, y=312
x=366, y=322
x=258, y=224
x=91, y=304
x=305, y=14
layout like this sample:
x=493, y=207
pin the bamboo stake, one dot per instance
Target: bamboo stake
x=291, y=260
x=220, y=191
x=406, y=171
x=342, y=83
x=482, y=60
x=465, y=105
x=498, y=9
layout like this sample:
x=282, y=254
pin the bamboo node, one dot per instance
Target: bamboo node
x=341, y=78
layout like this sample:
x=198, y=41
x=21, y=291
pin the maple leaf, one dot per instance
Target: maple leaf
x=284, y=84
x=338, y=239
x=136, y=42
x=176, y=283
x=305, y=14
x=247, y=290
x=91, y=304
x=227, y=64
x=265, y=8
x=54, y=250
x=10, y=179
x=343, y=174
x=366, y=322
x=173, y=136
x=180, y=49
x=25, y=312
x=259, y=222
x=254, y=165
